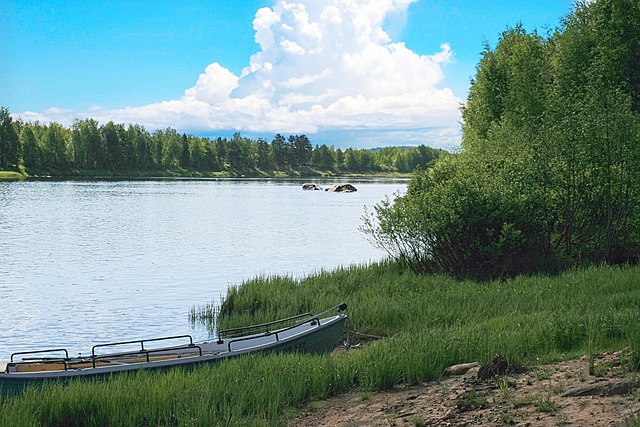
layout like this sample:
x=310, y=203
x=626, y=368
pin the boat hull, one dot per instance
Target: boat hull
x=314, y=336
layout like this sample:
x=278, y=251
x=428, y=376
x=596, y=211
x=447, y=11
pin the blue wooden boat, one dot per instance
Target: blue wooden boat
x=308, y=333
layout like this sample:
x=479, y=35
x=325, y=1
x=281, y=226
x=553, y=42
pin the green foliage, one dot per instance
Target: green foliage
x=9, y=142
x=509, y=87
x=88, y=148
x=456, y=219
x=407, y=159
x=56, y=140
x=548, y=175
x=31, y=149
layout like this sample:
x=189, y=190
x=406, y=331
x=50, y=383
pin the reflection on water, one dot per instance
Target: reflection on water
x=84, y=262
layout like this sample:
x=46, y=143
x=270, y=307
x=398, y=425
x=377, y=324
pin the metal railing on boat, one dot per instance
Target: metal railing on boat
x=262, y=327
x=93, y=359
x=142, y=352
x=170, y=352
x=45, y=360
x=313, y=321
x=51, y=350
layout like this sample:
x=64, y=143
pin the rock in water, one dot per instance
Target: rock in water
x=311, y=186
x=342, y=188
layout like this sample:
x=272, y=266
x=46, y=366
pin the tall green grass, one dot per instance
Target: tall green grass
x=430, y=323
x=556, y=314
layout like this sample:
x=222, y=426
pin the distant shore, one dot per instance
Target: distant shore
x=162, y=174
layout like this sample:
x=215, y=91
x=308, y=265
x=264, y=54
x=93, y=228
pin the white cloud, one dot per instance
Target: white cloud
x=262, y=23
x=323, y=65
x=214, y=86
x=52, y=114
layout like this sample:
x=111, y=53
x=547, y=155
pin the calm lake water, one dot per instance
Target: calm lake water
x=88, y=262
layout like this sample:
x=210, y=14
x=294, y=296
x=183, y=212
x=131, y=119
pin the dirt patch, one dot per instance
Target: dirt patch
x=603, y=391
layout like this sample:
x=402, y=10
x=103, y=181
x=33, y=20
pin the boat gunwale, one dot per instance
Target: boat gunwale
x=115, y=366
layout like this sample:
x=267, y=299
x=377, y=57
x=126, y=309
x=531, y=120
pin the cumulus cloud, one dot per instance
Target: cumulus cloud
x=322, y=65
x=213, y=86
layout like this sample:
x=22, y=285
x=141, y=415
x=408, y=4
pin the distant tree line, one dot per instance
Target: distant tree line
x=549, y=174
x=89, y=146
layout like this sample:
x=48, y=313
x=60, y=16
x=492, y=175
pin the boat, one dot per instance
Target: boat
x=305, y=333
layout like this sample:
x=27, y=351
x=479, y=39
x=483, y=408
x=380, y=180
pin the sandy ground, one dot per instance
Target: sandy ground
x=559, y=394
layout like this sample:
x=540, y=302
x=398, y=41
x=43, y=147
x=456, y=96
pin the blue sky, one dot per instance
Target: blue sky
x=361, y=73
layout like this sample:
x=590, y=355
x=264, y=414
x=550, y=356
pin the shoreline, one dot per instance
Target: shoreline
x=195, y=175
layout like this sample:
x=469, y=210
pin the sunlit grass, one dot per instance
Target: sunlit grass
x=430, y=323
x=9, y=175
x=554, y=315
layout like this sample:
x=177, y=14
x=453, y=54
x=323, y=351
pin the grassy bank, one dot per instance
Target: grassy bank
x=11, y=176
x=429, y=322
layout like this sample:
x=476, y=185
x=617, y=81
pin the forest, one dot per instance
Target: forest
x=90, y=149
x=549, y=172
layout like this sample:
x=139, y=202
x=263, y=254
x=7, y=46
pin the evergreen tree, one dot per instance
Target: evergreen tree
x=185, y=155
x=9, y=141
x=31, y=151
x=280, y=151
x=113, y=146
